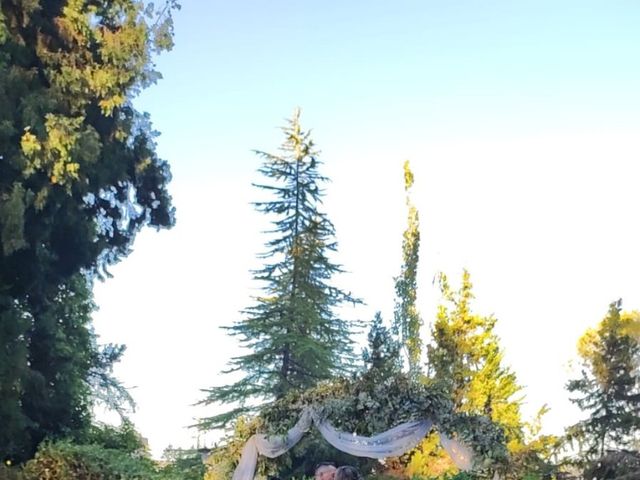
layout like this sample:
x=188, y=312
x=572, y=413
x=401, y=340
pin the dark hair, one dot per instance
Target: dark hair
x=347, y=472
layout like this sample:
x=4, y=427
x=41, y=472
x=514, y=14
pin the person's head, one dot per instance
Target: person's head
x=325, y=471
x=347, y=472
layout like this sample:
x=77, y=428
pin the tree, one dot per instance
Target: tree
x=465, y=357
x=79, y=177
x=79, y=174
x=407, y=321
x=382, y=356
x=608, y=388
x=294, y=336
x=13, y=368
x=466, y=361
x=63, y=373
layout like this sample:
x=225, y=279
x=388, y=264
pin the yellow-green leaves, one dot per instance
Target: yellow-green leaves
x=590, y=344
x=466, y=358
x=407, y=320
x=4, y=33
x=607, y=388
x=102, y=61
x=408, y=176
x=30, y=144
x=631, y=324
x=68, y=144
x=143, y=165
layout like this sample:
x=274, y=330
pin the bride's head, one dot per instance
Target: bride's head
x=347, y=473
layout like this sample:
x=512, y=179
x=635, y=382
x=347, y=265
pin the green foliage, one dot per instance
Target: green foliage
x=79, y=177
x=8, y=472
x=184, y=465
x=466, y=359
x=107, y=389
x=107, y=453
x=450, y=476
x=429, y=460
x=224, y=458
x=620, y=465
x=609, y=386
x=407, y=320
x=534, y=457
x=382, y=355
x=66, y=461
x=12, y=220
x=124, y=438
x=56, y=395
x=14, y=367
x=364, y=405
x=47, y=383
x=294, y=336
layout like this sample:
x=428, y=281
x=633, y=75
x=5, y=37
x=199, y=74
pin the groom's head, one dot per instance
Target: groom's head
x=325, y=471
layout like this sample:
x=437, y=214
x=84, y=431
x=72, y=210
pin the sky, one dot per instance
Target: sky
x=521, y=121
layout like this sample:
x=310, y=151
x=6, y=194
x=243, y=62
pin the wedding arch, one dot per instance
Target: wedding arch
x=391, y=414
x=391, y=443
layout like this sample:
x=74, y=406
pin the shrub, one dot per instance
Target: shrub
x=66, y=461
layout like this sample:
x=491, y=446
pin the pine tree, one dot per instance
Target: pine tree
x=382, y=355
x=465, y=357
x=294, y=336
x=407, y=320
x=609, y=384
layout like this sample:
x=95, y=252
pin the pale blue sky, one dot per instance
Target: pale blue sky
x=521, y=120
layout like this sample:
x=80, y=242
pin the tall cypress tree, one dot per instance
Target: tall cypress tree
x=609, y=384
x=407, y=320
x=294, y=336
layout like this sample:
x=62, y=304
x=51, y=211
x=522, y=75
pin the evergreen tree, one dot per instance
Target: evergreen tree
x=14, y=367
x=292, y=331
x=609, y=385
x=79, y=177
x=465, y=357
x=382, y=355
x=407, y=321
x=58, y=375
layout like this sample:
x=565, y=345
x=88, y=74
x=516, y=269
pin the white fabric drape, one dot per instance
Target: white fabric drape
x=269, y=447
x=461, y=455
x=392, y=443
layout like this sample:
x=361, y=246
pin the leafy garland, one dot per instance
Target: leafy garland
x=366, y=405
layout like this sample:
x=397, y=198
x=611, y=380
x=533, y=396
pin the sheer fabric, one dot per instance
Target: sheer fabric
x=461, y=454
x=392, y=443
x=269, y=447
